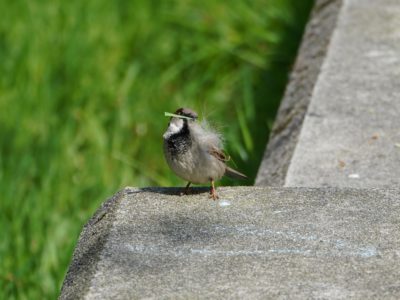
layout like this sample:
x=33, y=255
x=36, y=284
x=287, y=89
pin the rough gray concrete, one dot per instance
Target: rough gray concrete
x=254, y=243
x=351, y=133
x=284, y=134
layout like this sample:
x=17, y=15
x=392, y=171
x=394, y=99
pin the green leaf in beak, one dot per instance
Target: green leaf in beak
x=167, y=114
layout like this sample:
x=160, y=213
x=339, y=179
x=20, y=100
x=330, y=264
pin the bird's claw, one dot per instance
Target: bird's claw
x=213, y=194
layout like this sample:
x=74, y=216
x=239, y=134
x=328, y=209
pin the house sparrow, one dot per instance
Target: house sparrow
x=193, y=151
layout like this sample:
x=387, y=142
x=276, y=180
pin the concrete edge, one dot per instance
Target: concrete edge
x=88, y=248
x=291, y=113
x=95, y=233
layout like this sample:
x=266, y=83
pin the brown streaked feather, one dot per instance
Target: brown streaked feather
x=219, y=154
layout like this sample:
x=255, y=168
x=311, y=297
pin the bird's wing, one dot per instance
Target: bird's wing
x=218, y=153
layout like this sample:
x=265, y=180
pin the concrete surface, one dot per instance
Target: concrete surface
x=255, y=242
x=287, y=125
x=351, y=133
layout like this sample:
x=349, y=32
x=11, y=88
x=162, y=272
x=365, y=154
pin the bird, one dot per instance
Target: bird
x=194, y=151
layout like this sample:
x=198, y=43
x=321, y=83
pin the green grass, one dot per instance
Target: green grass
x=83, y=90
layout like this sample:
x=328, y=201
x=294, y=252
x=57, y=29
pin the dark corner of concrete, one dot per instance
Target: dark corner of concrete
x=89, y=245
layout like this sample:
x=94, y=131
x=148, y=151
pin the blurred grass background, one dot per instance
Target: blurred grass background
x=83, y=89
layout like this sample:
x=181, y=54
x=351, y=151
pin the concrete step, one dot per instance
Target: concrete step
x=254, y=242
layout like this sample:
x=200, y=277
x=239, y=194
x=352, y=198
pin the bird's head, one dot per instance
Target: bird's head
x=180, y=120
x=187, y=113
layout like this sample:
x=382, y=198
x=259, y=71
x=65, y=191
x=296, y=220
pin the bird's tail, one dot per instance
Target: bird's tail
x=234, y=174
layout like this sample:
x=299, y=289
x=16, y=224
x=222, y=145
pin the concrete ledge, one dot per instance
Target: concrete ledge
x=286, y=130
x=351, y=133
x=253, y=243
x=350, y=136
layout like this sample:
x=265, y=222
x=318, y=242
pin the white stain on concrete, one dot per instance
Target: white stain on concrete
x=361, y=252
x=295, y=244
x=224, y=203
x=385, y=56
x=354, y=176
x=208, y=252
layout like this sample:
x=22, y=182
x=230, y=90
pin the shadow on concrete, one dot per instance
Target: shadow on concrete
x=176, y=191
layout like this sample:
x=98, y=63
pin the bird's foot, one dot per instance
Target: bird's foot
x=184, y=193
x=213, y=193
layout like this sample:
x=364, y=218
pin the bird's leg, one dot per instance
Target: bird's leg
x=213, y=191
x=187, y=188
x=186, y=191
